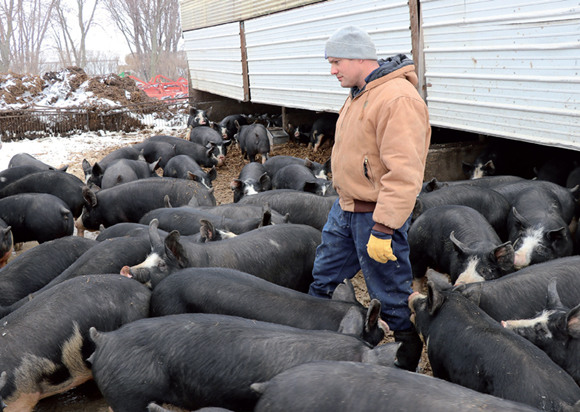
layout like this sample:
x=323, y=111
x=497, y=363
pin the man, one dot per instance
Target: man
x=378, y=161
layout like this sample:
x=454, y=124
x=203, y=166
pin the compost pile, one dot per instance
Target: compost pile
x=68, y=88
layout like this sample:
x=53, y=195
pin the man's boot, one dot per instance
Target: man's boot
x=409, y=353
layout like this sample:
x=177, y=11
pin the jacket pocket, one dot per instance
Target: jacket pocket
x=368, y=171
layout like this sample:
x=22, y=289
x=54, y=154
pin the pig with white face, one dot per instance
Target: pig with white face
x=198, y=117
x=556, y=330
x=466, y=346
x=207, y=136
x=299, y=177
x=282, y=254
x=522, y=294
x=538, y=220
x=459, y=241
x=252, y=179
x=184, y=167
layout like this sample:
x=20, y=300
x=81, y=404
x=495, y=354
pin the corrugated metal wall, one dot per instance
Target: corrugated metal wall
x=504, y=68
x=197, y=14
x=214, y=57
x=285, y=50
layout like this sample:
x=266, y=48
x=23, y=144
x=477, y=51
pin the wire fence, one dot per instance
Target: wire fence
x=37, y=123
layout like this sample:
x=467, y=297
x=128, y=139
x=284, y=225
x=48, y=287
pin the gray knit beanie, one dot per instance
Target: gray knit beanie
x=350, y=42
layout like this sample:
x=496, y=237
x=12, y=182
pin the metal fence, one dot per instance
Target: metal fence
x=37, y=123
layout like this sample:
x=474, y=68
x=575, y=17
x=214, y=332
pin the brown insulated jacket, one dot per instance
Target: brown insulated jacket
x=381, y=144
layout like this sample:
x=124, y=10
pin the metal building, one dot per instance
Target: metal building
x=495, y=67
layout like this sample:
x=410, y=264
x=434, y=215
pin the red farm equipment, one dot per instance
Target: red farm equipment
x=161, y=87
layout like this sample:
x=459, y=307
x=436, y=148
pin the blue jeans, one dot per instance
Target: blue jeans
x=343, y=252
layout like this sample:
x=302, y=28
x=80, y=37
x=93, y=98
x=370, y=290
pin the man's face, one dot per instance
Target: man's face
x=347, y=71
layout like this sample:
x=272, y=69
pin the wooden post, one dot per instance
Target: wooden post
x=417, y=44
x=245, y=79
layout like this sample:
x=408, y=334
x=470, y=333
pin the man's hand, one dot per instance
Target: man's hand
x=379, y=247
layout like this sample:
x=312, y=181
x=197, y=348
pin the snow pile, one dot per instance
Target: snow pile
x=69, y=88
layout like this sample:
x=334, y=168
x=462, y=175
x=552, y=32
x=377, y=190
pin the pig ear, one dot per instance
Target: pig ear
x=351, y=323
x=459, y=246
x=373, y=315
x=466, y=168
x=3, y=379
x=309, y=187
x=191, y=176
x=236, y=184
x=155, y=165
x=174, y=248
x=573, y=322
x=207, y=230
x=557, y=234
x=553, y=299
x=86, y=166
x=434, y=297
x=575, y=191
x=212, y=174
x=97, y=170
x=344, y=292
x=89, y=196
x=489, y=167
x=504, y=255
x=520, y=220
x=154, y=238
x=265, y=181
x=432, y=185
x=266, y=215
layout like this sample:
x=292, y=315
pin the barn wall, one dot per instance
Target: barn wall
x=504, y=68
x=197, y=14
x=214, y=57
x=286, y=63
x=490, y=67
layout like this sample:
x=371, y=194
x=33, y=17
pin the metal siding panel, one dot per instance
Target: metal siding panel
x=506, y=69
x=286, y=63
x=197, y=14
x=214, y=58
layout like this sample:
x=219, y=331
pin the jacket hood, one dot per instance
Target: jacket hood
x=386, y=66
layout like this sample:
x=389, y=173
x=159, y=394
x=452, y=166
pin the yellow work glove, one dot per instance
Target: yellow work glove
x=379, y=248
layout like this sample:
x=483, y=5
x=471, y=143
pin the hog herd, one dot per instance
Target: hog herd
x=180, y=302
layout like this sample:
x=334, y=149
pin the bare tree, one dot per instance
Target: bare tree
x=101, y=63
x=7, y=17
x=70, y=41
x=32, y=20
x=151, y=28
x=23, y=27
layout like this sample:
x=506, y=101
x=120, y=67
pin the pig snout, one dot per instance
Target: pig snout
x=126, y=271
x=221, y=160
x=520, y=259
x=80, y=227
